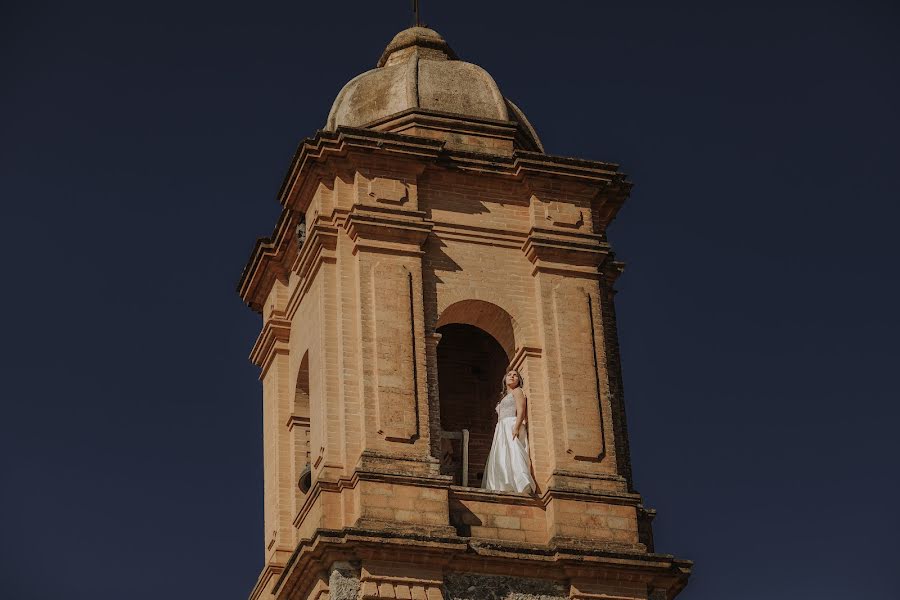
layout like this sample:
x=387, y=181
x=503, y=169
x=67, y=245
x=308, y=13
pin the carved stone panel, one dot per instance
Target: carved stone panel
x=563, y=214
x=388, y=191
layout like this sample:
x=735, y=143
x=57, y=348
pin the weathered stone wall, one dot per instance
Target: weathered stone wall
x=471, y=586
x=343, y=582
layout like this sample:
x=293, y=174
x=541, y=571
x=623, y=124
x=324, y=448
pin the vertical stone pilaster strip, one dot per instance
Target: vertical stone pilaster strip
x=590, y=308
x=414, y=356
x=614, y=372
x=582, y=421
x=396, y=387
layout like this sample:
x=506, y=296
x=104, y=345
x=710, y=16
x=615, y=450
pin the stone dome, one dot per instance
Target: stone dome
x=419, y=71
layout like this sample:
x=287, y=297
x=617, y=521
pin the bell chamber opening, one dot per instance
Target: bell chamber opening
x=471, y=365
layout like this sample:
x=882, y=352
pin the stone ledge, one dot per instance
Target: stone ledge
x=559, y=560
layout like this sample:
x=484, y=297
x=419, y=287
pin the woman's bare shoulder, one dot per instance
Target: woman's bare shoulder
x=518, y=392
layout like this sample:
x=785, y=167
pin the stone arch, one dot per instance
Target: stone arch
x=470, y=363
x=477, y=342
x=487, y=317
x=300, y=427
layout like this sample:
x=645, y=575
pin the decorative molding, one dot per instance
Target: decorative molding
x=588, y=589
x=487, y=236
x=387, y=231
x=391, y=580
x=389, y=191
x=267, y=262
x=494, y=497
x=319, y=249
x=269, y=572
x=332, y=152
x=610, y=270
x=590, y=309
x=522, y=353
x=559, y=560
x=568, y=253
x=297, y=421
x=272, y=340
x=564, y=214
x=417, y=119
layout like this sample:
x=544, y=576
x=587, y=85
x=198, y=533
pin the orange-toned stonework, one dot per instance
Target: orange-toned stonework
x=428, y=244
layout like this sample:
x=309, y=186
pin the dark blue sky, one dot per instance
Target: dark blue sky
x=142, y=147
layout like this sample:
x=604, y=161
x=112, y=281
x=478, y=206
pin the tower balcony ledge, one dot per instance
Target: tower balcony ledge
x=582, y=565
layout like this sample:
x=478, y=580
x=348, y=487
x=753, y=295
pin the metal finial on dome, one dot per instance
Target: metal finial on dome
x=418, y=23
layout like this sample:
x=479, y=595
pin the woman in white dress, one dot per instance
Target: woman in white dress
x=508, y=467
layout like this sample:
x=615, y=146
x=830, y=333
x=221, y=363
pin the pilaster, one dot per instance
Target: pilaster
x=387, y=246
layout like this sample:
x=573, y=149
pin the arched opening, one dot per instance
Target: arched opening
x=471, y=364
x=300, y=422
x=486, y=316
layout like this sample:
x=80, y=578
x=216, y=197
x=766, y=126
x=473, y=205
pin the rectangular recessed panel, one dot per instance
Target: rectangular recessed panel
x=578, y=373
x=394, y=352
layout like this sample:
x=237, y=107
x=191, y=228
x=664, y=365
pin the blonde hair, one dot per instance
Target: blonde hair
x=503, y=387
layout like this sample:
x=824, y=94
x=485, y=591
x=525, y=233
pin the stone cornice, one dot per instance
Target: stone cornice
x=522, y=353
x=318, y=249
x=610, y=271
x=558, y=560
x=321, y=239
x=268, y=573
x=328, y=145
x=297, y=421
x=569, y=253
x=488, y=236
x=272, y=340
x=387, y=230
x=418, y=474
x=338, y=151
x=266, y=263
x=612, y=197
x=500, y=129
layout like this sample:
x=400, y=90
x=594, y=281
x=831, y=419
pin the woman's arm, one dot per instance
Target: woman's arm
x=521, y=408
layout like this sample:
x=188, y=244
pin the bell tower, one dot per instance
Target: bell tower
x=427, y=244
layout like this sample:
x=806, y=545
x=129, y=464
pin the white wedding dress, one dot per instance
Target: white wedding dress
x=508, y=467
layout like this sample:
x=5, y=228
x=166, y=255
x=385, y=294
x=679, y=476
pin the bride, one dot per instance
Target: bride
x=508, y=467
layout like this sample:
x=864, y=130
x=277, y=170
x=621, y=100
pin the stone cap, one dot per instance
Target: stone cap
x=421, y=38
x=418, y=70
